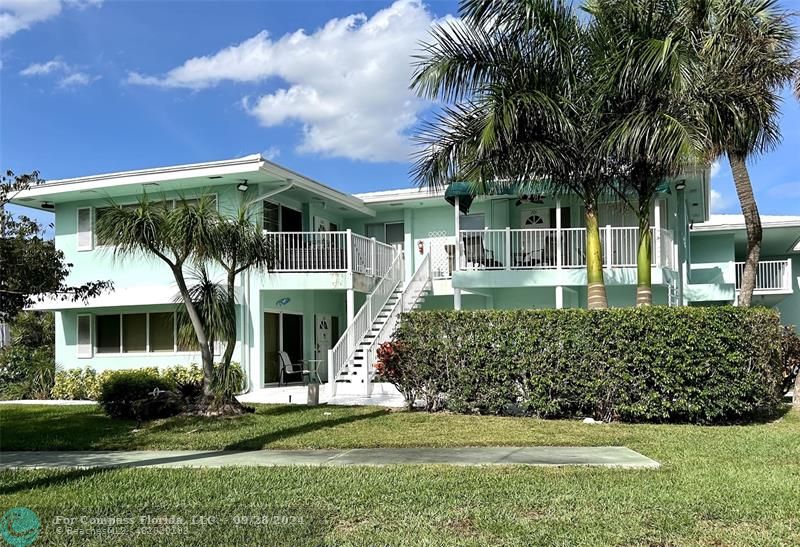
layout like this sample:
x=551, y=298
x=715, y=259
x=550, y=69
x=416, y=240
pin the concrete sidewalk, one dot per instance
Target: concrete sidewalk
x=600, y=456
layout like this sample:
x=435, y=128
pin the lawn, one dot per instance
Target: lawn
x=734, y=485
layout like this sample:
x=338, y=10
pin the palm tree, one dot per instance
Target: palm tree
x=153, y=228
x=236, y=244
x=745, y=50
x=648, y=124
x=518, y=77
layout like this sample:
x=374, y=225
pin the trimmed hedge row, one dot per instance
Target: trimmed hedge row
x=654, y=364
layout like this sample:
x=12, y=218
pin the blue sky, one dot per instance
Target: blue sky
x=91, y=86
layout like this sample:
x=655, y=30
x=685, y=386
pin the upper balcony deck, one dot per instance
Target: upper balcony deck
x=543, y=249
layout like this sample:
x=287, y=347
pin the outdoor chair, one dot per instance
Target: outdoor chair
x=475, y=252
x=287, y=368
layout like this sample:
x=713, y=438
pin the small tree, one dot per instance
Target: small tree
x=31, y=268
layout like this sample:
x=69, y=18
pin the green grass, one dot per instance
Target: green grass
x=734, y=485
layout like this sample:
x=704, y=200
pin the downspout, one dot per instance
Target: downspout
x=682, y=238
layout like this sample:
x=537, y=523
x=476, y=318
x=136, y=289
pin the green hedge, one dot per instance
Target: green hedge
x=655, y=364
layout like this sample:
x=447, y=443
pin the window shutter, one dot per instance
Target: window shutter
x=85, y=238
x=85, y=336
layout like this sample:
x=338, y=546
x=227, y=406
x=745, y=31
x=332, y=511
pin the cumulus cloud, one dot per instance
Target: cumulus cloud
x=16, y=15
x=346, y=83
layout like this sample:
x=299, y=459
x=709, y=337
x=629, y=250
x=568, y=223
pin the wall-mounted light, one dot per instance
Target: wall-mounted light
x=681, y=185
x=242, y=186
x=47, y=205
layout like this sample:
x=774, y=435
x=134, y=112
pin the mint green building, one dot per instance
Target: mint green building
x=347, y=266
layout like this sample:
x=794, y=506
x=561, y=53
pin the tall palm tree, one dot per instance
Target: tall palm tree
x=517, y=76
x=648, y=124
x=745, y=50
x=235, y=244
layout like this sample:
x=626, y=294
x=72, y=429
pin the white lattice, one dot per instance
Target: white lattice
x=442, y=250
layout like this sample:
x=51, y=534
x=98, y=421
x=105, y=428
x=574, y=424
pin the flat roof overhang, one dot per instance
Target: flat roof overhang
x=210, y=175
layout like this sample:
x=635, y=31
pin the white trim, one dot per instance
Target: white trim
x=90, y=353
x=90, y=245
x=144, y=176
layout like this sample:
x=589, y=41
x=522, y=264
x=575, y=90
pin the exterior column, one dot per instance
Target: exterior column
x=559, y=247
x=408, y=243
x=681, y=239
x=457, y=229
x=351, y=305
x=456, y=299
x=559, y=297
x=254, y=321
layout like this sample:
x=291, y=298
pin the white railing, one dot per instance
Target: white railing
x=363, y=254
x=408, y=299
x=384, y=256
x=329, y=252
x=309, y=251
x=771, y=275
x=361, y=324
x=548, y=248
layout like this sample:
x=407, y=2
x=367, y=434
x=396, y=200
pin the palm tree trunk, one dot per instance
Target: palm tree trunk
x=230, y=343
x=594, y=262
x=206, y=354
x=752, y=224
x=644, y=284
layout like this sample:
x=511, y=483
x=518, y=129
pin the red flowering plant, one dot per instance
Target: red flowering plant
x=389, y=368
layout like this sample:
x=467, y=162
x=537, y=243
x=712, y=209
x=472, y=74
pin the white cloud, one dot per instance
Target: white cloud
x=715, y=167
x=346, y=83
x=69, y=76
x=271, y=153
x=40, y=69
x=718, y=202
x=16, y=15
x=77, y=79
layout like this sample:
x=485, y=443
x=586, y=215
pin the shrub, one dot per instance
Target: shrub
x=75, y=384
x=26, y=373
x=188, y=380
x=27, y=365
x=790, y=346
x=229, y=381
x=132, y=394
x=656, y=364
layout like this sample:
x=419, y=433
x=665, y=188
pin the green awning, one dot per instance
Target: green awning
x=462, y=191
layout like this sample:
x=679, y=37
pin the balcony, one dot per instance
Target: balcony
x=308, y=252
x=772, y=276
x=544, y=249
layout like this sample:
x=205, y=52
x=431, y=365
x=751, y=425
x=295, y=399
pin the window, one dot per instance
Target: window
x=84, y=336
x=134, y=333
x=108, y=333
x=85, y=229
x=395, y=233
x=162, y=331
x=272, y=216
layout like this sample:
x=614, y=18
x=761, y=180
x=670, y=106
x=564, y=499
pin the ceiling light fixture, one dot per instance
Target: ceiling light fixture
x=681, y=185
x=47, y=205
x=242, y=186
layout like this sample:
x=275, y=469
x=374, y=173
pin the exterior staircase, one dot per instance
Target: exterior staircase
x=351, y=361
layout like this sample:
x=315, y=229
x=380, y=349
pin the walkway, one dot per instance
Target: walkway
x=601, y=456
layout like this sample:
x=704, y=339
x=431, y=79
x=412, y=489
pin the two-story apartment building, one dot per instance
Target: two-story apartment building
x=347, y=265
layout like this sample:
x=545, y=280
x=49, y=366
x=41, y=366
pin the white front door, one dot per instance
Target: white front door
x=323, y=342
x=534, y=243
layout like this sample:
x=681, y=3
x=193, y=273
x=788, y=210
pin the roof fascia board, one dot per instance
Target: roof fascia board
x=315, y=187
x=144, y=176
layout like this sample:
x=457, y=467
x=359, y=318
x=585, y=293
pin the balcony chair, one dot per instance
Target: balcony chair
x=287, y=368
x=476, y=253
